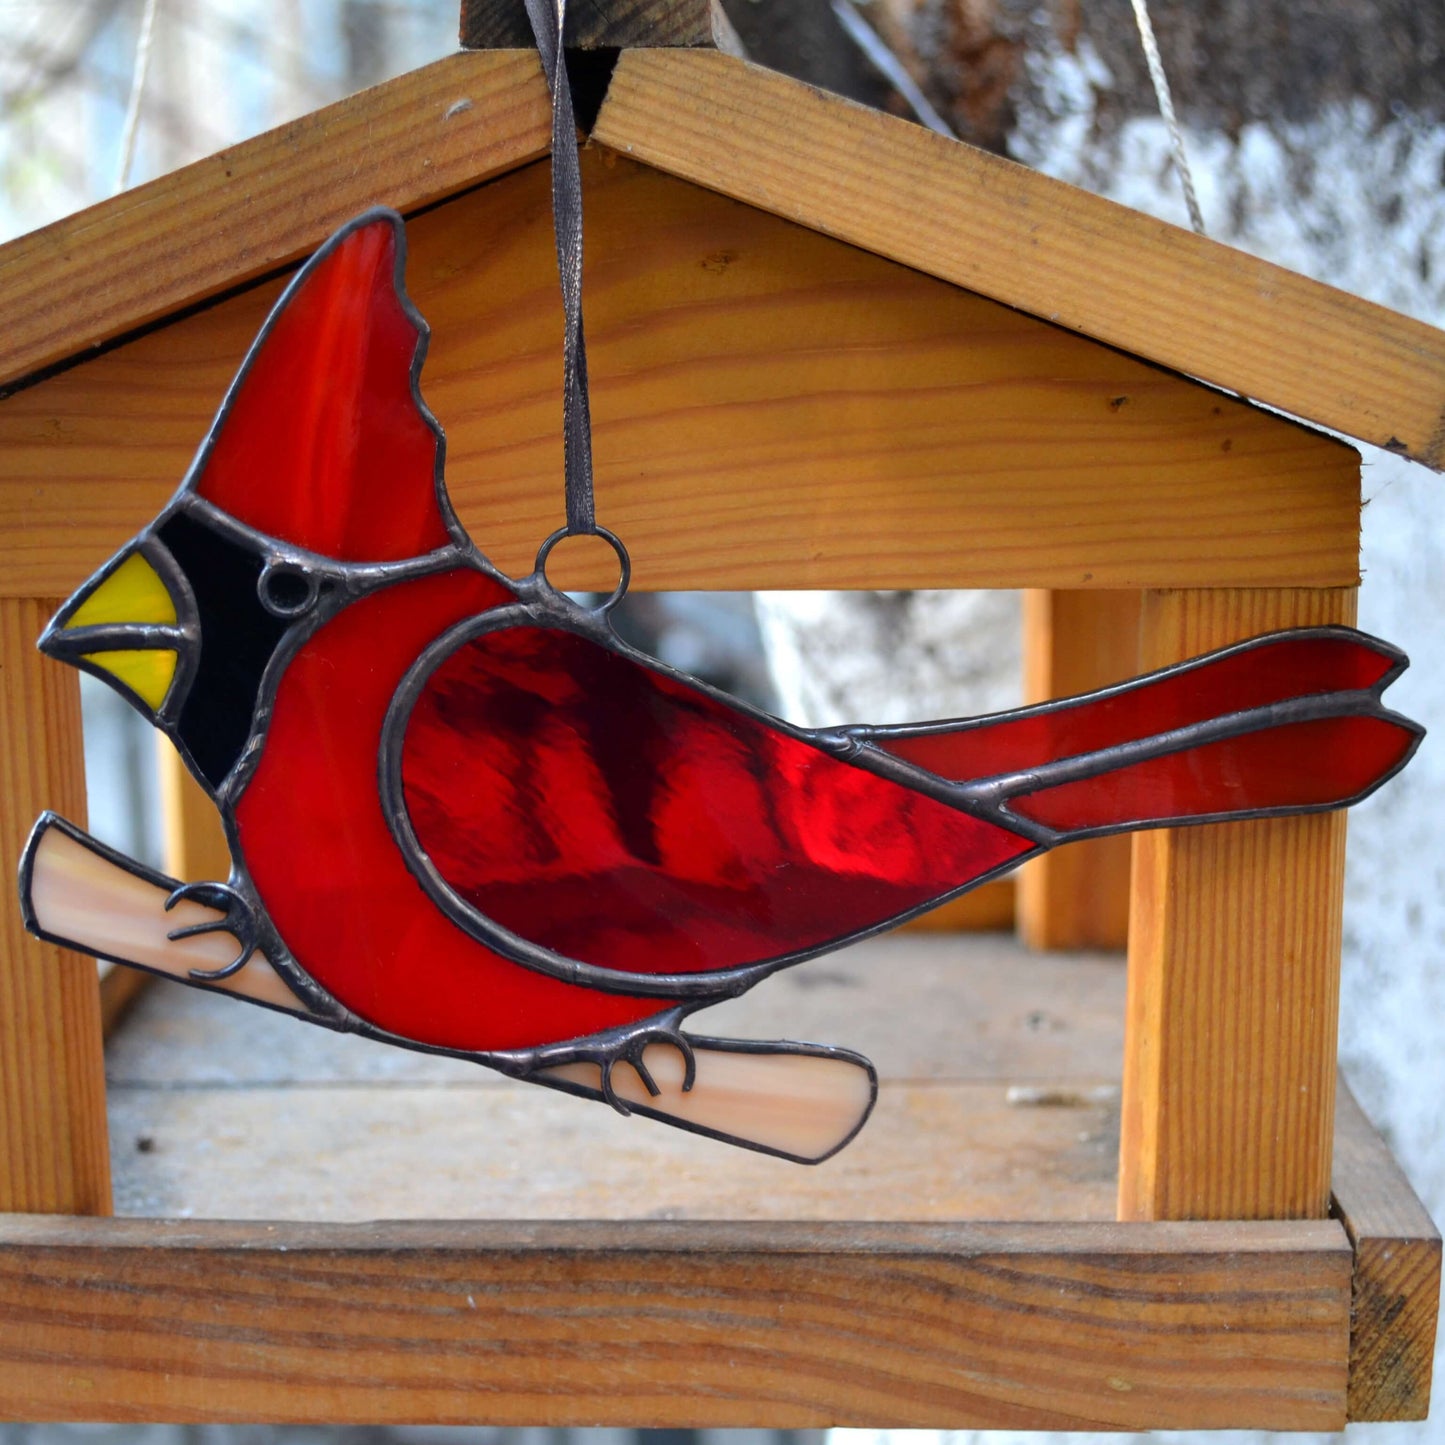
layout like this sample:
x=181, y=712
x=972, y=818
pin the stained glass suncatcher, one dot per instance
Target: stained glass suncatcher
x=464, y=816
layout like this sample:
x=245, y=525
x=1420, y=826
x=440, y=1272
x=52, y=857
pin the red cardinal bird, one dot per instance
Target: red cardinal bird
x=465, y=817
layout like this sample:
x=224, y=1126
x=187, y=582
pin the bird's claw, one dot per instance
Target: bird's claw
x=239, y=921
x=632, y=1051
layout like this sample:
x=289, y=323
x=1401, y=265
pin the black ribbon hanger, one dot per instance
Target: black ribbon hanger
x=547, y=23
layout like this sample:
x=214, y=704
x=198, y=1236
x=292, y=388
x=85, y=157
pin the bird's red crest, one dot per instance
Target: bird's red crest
x=324, y=441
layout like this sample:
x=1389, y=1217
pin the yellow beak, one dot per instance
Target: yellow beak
x=111, y=625
x=147, y=672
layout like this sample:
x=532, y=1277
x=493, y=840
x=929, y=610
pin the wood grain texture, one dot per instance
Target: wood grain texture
x=1234, y=959
x=1035, y=243
x=250, y=1113
x=1023, y=1327
x=490, y=24
x=1397, y=1273
x=258, y=206
x=54, y=1156
x=1077, y=896
x=771, y=409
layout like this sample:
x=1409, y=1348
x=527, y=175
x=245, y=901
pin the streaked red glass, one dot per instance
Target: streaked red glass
x=1302, y=765
x=323, y=444
x=616, y=815
x=1285, y=667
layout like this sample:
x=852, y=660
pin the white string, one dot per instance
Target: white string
x=1166, y=109
x=862, y=34
x=137, y=90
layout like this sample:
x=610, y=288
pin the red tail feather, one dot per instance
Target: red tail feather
x=1324, y=763
x=1290, y=722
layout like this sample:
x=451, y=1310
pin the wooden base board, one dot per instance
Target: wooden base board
x=677, y=1324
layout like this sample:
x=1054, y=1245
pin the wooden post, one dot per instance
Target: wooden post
x=54, y=1155
x=1077, y=896
x=195, y=841
x=1234, y=957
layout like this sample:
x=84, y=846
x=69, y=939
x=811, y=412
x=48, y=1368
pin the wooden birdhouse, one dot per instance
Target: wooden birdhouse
x=828, y=349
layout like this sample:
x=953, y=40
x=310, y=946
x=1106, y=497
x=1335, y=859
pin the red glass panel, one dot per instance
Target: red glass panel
x=329, y=872
x=621, y=817
x=1283, y=667
x=324, y=445
x=1307, y=764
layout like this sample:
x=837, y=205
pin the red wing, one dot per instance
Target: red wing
x=617, y=816
x=323, y=440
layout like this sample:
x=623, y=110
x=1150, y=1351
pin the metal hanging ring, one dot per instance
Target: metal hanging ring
x=612, y=540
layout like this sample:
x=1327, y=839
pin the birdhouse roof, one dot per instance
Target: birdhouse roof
x=939, y=206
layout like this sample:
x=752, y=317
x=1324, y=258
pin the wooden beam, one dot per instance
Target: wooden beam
x=1397, y=1273
x=1077, y=896
x=1234, y=975
x=772, y=409
x=1017, y=1326
x=1035, y=243
x=490, y=24
x=54, y=1156
x=882, y=183
x=260, y=205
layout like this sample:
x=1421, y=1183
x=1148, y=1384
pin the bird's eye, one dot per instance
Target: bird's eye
x=286, y=590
